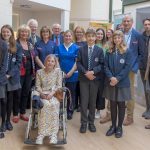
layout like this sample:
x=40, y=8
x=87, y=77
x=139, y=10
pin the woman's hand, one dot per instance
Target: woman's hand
x=69, y=74
x=50, y=95
x=43, y=96
x=113, y=81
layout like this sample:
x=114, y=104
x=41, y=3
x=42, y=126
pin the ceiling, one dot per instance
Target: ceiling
x=31, y=6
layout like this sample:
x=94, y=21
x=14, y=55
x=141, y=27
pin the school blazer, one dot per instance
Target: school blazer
x=14, y=65
x=136, y=48
x=97, y=62
x=3, y=62
x=118, y=68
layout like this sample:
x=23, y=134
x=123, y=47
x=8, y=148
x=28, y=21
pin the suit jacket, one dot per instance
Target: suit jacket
x=144, y=58
x=97, y=62
x=61, y=39
x=37, y=40
x=118, y=67
x=3, y=62
x=136, y=48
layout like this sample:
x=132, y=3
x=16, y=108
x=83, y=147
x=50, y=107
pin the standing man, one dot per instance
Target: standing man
x=134, y=42
x=57, y=37
x=145, y=66
x=33, y=24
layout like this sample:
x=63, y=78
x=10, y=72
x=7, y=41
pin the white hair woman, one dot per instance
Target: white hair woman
x=48, y=80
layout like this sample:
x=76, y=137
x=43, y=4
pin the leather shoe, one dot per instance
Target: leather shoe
x=83, y=128
x=92, y=128
x=3, y=127
x=69, y=116
x=111, y=131
x=119, y=132
x=9, y=126
x=1, y=135
x=23, y=117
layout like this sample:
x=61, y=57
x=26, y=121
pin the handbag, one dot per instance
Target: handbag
x=59, y=94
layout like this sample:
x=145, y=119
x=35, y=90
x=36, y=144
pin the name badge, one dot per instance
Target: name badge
x=96, y=59
x=14, y=59
x=122, y=61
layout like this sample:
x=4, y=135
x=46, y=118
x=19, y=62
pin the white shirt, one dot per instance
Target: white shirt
x=128, y=37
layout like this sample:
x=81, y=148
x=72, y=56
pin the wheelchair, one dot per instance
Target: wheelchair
x=32, y=126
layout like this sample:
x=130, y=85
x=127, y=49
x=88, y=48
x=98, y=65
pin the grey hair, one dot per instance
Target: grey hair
x=128, y=15
x=32, y=21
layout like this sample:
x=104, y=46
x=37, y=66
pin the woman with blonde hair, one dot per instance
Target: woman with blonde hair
x=27, y=71
x=48, y=80
x=117, y=83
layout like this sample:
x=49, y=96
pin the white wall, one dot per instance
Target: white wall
x=43, y=17
x=84, y=11
x=5, y=12
x=62, y=4
x=100, y=10
x=132, y=9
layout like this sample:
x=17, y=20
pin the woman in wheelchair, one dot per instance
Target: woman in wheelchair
x=48, y=80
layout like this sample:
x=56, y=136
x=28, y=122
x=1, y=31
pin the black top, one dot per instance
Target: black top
x=28, y=63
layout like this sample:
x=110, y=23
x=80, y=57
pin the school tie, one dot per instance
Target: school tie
x=57, y=40
x=89, y=57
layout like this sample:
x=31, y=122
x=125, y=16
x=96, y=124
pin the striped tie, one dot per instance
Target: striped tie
x=89, y=58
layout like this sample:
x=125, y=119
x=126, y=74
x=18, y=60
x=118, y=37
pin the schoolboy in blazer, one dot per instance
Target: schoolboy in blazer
x=90, y=65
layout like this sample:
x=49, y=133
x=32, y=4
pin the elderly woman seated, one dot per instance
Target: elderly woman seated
x=48, y=80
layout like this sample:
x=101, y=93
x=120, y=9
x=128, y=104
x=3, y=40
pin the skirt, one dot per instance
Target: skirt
x=2, y=91
x=118, y=94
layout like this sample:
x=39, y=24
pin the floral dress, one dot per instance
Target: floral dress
x=48, y=119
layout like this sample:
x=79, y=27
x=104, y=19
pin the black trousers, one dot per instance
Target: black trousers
x=77, y=100
x=100, y=101
x=26, y=82
x=13, y=102
x=147, y=95
x=88, y=94
x=72, y=87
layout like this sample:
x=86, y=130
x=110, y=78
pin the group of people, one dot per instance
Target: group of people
x=97, y=65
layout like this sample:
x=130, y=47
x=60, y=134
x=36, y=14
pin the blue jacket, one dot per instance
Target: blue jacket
x=136, y=48
x=97, y=62
x=37, y=40
x=15, y=60
x=118, y=67
x=3, y=62
x=61, y=39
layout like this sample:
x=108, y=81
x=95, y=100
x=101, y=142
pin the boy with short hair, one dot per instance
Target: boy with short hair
x=90, y=64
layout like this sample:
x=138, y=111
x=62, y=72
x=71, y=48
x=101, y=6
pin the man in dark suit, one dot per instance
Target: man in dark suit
x=90, y=63
x=57, y=37
x=134, y=42
x=145, y=66
x=34, y=38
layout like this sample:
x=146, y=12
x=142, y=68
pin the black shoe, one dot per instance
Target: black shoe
x=79, y=109
x=1, y=135
x=69, y=116
x=3, y=127
x=83, y=128
x=111, y=131
x=9, y=126
x=119, y=132
x=92, y=128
